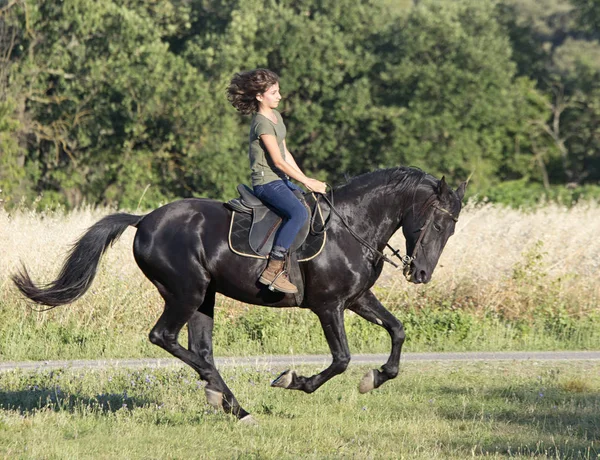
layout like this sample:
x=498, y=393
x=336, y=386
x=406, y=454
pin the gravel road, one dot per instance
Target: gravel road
x=289, y=361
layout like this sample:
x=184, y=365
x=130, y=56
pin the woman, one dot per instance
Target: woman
x=256, y=92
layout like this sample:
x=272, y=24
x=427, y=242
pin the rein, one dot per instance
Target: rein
x=405, y=260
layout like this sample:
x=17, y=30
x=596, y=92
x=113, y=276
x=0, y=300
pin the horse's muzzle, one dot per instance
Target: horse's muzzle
x=415, y=275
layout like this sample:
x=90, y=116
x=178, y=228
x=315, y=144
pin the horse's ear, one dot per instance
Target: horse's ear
x=443, y=190
x=460, y=191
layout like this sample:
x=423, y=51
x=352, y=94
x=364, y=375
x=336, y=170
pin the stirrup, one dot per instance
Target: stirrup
x=271, y=286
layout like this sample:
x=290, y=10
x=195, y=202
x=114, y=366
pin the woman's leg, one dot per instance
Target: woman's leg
x=278, y=195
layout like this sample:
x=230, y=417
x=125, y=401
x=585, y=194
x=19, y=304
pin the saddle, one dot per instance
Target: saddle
x=254, y=225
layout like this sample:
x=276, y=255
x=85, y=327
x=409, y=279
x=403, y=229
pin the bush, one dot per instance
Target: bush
x=523, y=194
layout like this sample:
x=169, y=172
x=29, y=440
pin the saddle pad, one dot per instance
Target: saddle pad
x=239, y=233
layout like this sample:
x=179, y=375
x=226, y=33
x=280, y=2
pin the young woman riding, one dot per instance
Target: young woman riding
x=256, y=92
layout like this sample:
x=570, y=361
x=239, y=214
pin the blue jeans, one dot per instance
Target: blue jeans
x=280, y=196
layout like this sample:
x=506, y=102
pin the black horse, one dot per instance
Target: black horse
x=182, y=248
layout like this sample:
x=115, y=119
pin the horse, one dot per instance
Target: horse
x=182, y=248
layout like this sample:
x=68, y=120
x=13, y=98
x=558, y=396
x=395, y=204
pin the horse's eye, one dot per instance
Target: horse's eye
x=437, y=228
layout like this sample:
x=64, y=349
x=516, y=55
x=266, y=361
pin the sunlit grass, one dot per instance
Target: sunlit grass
x=510, y=261
x=432, y=410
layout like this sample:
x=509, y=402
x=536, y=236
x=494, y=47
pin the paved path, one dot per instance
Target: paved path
x=296, y=360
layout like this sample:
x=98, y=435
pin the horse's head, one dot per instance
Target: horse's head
x=427, y=226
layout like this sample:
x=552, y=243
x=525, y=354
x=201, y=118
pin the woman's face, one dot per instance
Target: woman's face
x=270, y=98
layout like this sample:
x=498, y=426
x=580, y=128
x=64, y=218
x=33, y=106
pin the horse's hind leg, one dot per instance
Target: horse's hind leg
x=371, y=309
x=165, y=333
x=200, y=329
x=332, y=321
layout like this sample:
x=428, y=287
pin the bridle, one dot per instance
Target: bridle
x=426, y=226
x=405, y=260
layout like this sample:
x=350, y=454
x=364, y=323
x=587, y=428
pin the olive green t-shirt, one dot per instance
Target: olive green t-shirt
x=263, y=169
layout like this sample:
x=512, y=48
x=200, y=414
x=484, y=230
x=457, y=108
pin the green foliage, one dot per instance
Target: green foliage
x=547, y=325
x=524, y=194
x=588, y=16
x=447, y=76
x=111, y=102
x=437, y=325
x=12, y=174
x=555, y=46
x=530, y=271
x=123, y=102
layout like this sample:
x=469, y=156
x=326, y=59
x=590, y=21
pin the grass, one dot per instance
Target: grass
x=263, y=331
x=508, y=279
x=432, y=410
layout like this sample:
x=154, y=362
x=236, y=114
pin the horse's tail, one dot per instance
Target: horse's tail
x=79, y=269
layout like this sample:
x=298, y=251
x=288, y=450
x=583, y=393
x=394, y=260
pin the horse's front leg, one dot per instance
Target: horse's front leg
x=371, y=309
x=332, y=321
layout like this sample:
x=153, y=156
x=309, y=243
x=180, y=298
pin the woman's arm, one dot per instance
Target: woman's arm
x=290, y=158
x=290, y=168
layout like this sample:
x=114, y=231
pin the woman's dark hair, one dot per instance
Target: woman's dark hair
x=245, y=86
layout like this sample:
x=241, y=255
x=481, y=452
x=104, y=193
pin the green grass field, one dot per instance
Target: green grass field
x=257, y=330
x=432, y=410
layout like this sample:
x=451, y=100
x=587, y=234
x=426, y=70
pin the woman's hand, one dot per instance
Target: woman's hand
x=315, y=185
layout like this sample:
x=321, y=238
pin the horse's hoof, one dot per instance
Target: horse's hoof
x=284, y=380
x=368, y=382
x=248, y=420
x=214, y=398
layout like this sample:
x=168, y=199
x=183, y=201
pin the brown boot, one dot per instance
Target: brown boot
x=277, y=278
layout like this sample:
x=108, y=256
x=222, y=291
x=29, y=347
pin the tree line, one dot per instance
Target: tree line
x=123, y=102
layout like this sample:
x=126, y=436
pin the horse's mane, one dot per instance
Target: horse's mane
x=402, y=177
x=403, y=180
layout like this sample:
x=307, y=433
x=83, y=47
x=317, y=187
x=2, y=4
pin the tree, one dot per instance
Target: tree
x=555, y=45
x=111, y=102
x=110, y=106
x=447, y=80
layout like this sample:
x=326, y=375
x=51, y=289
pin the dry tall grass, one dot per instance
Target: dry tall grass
x=508, y=260
x=41, y=242
x=499, y=259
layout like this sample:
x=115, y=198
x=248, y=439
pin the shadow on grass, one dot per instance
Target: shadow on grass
x=565, y=424
x=30, y=401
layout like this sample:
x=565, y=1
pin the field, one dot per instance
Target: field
x=507, y=280
x=432, y=410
